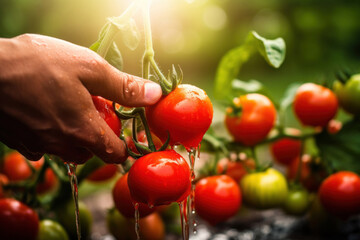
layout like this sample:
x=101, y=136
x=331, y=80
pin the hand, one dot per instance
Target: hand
x=45, y=99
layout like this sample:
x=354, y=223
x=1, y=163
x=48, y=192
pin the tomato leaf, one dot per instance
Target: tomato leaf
x=128, y=30
x=341, y=151
x=113, y=56
x=230, y=64
x=251, y=86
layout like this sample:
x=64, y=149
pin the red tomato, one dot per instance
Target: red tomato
x=217, y=198
x=286, y=150
x=186, y=113
x=123, y=201
x=50, y=180
x=151, y=227
x=257, y=117
x=159, y=178
x=340, y=194
x=17, y=221
x=141, y=137
x=315, y=105
x=106, y=111
x=3, y=180
x=103, y=173
x=235, y=170
x=16, y=168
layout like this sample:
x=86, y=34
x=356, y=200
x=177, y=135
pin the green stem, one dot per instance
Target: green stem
x=149, y=50
x=56, y=169
x=256, y=160
x=147, y=130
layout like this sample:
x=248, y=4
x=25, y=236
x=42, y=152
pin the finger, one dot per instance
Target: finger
x=71, y=154
x=128, y=90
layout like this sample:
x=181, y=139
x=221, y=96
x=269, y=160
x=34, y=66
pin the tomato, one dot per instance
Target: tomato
x=234, y=169
x=51, y=230
x=264, y=190
x=151, y=227
x=159, y=178
x=3, y=180
x=17, y=221
x=123, y=201
x=106, y=111
x=66, y=217
x=315, y=105
x=286, y=150
x=141, y=137
x=186, y=114
x=217, y=198
x=103, y=173
x=297, y=201
x=312, y=173
x=50, y=181
x=256, y=119
x=349, y=94
x=340, y=194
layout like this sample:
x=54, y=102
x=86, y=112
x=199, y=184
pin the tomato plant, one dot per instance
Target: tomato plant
x=217, y=198
x=264, y=190
x=252, y=118
x=348, y=94
x=51, y=230
x=297, y=201
x=106, y=111
x=103, y=173
x=159, y=178
x=286, y=150
x=17, y=221
x=186, y=114
x=123, y=201
x=340, y=194
x=141, y=137
x=235, y=169
x=315, y=105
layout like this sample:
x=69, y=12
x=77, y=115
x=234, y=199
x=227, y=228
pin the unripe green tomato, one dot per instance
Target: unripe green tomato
x=349, y=94
x=264, y=190
x=117, y=225
x=297, y=201
x=51, y=230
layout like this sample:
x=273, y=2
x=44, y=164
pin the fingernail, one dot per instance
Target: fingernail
x=152, y=92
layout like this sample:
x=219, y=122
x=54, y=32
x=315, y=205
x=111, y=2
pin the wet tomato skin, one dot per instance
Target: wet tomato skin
x=315, y=105
x=255, y=121
x=340, y=194
x=217, y=198
x=159, y=178
x=106, y=111
x=17, y=221
x=186, y=113
x=123, y=201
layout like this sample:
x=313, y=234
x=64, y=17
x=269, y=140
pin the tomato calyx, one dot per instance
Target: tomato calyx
x=235, y=109
x=140, y=147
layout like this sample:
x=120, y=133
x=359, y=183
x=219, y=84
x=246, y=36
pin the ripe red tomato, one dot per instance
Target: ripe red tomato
x=103, y=173
x=50, y=180
x=340, y=194
x=236, y=170
x=217, y=198
x=315, y=105
x=3, y=180
x=159, y=178
x=186, y=113
x=123, y=201
x=17, y=221
x=286, y=150
x=257, y=117
x=106, y=111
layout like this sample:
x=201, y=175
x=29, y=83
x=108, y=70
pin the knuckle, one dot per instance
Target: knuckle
x=130, y=87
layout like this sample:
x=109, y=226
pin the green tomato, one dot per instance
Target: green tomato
x=264, y=190
x=51, y=230
x=297, y=201
x=349, y=94
x=66, y=216
x=117, y=225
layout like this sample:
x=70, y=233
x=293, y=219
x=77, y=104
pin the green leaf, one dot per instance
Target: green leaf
x=289, y=95
x=341, y=151
x=230, y=64
x=251, y=86
x=128, y=30
x=113, y=56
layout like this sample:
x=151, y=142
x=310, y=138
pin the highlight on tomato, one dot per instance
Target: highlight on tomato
x=185, y=114
x=17, y=220
x=251, y=118
x=123, y=201
x=217, y=198
x=51, y=230
x=315, y=105
x=159, y=178
x=264, y=190
x=340, y=194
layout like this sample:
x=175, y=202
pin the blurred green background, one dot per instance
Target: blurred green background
x=321, y=36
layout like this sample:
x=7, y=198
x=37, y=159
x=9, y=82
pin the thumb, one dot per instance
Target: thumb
x=123, y=88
